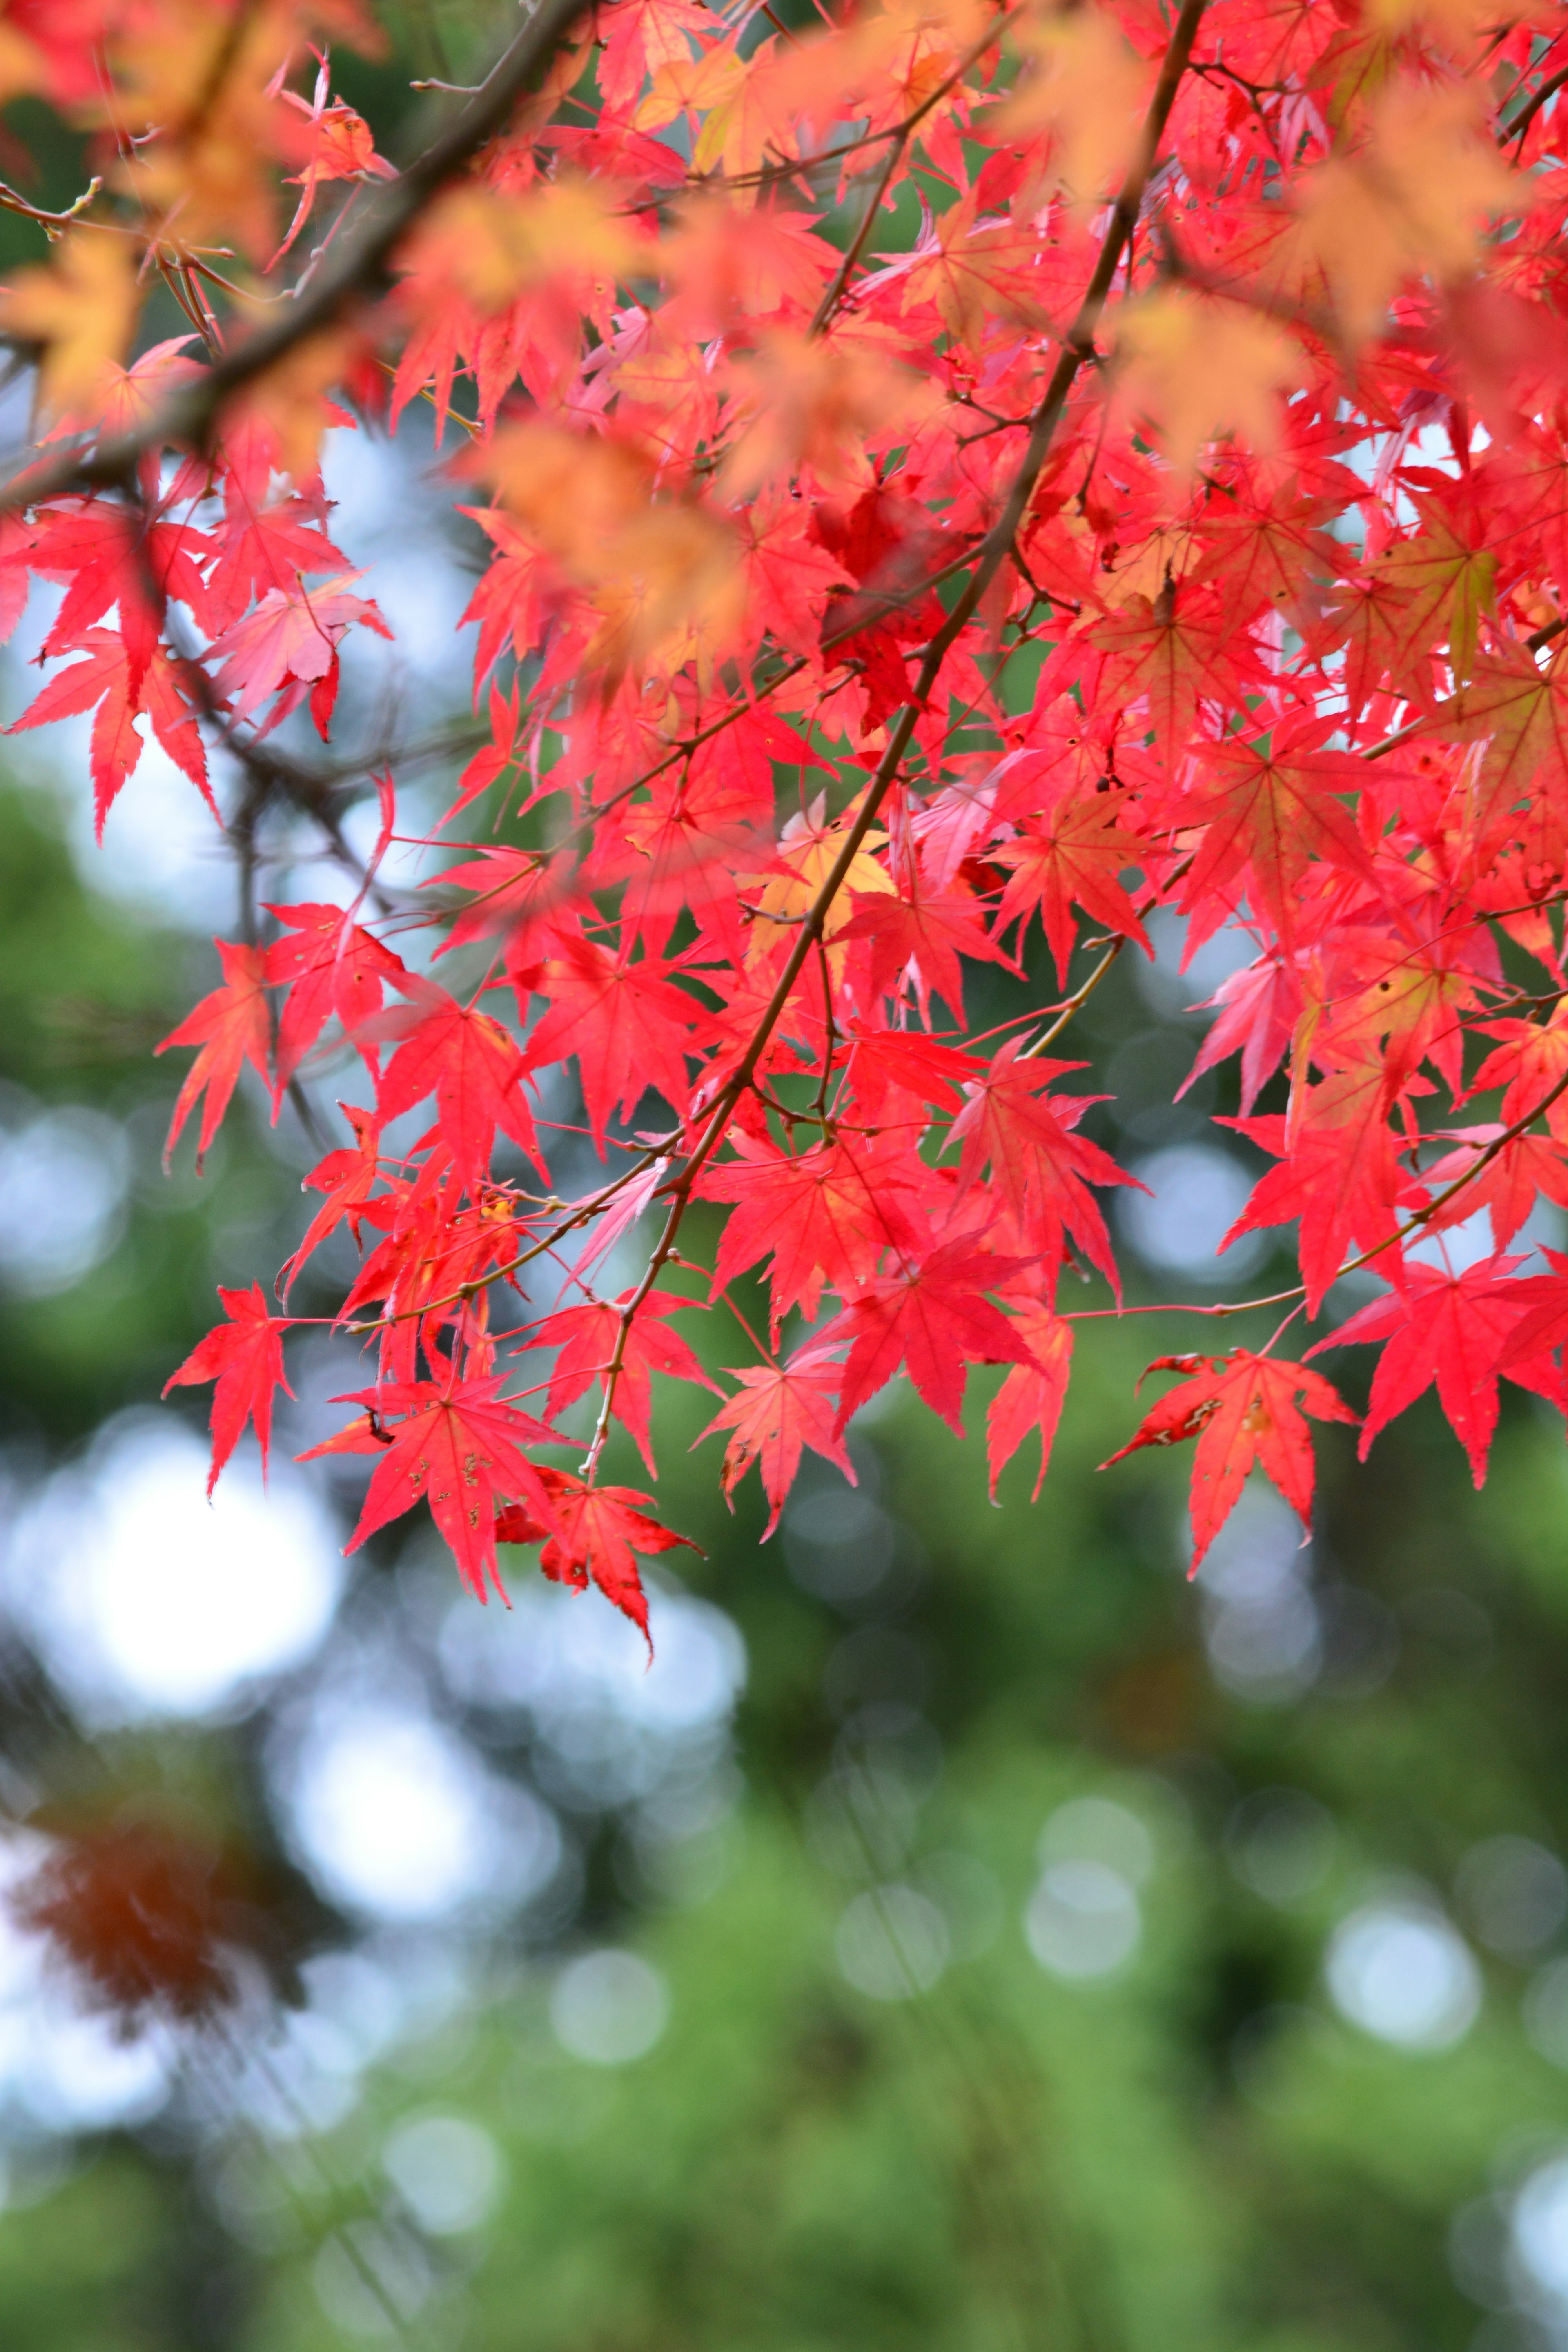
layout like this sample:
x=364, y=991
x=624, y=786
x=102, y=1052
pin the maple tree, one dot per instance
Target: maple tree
x=949, y=474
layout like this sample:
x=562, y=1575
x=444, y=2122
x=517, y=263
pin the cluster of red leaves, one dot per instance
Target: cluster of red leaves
x=782, y=502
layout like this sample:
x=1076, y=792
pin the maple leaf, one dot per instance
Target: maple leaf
x=1071, y=855
x=348, y=1179
x=641, y=36
x=330, y=964
x=106, y=555
x=932, y=1316
x=81, y=309
x=595, y=1531
x=463, y=1056
x=231, y=1026
x=926, y=932
x=1201, y=368
x=1440, y=587
x=1270, y=812
x=1338, y=1174
x=1531, y=1061
x=1031, y=1396
x=976, y=271
x=627, y=1022
x=825, y=1217
x=107, y=680
x=1451, y=1330
x=265, y=548
x=1519, y=710
x=1260, y=1006
x=245, y=1356
x=1182, y=650
x=1507, y=1185
x=781, y=1409
x=1085, y=84
x=460, y=1447
x=288, y=644
x=586, y=1336
x=1043, y=1170
x=1243, y=1409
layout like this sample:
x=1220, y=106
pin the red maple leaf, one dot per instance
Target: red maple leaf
x=1042, y=1170
x=231, y=1026
x=461, y=1448
x=932, y=1316
x=781, y=1409
x=1242, y=1409
x=595, y=1532
x=927, y=931
x=1338, y=1174
x=628, y=1024
x=348, y=1178
x=106, y=679
x=245, y=1356
x=1032, y=1394
x=1182, y=650
x=261, y=549
x=468, y=1061
x=329, y=964
x=1260, y=1006
x=1453, y=1330
x=1070, y=855
x=1267, y=813
x=109, y=558
x=825, y=1216
x=288, y=647
x=1507, y=1184
x=586, y=1336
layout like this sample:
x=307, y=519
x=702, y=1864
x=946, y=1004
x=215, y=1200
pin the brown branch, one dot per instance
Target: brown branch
x=1532, y=106
x=53, y=225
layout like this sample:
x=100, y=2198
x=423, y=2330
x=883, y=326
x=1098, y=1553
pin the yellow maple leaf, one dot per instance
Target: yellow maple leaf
x=1410, y=200
x=199, y=85
x=83, y=310
x=496, y=246
x=751, y=126
x=1456, y=22
x=690, y=86
x=664, y=577
x=1087, y=86
x=883, y=64
x=21, y=66
x=1199, y=369
x=807, y=853
x=811, y=402
x=293, y=397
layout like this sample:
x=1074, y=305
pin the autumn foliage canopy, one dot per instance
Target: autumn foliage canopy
x=955, y=480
